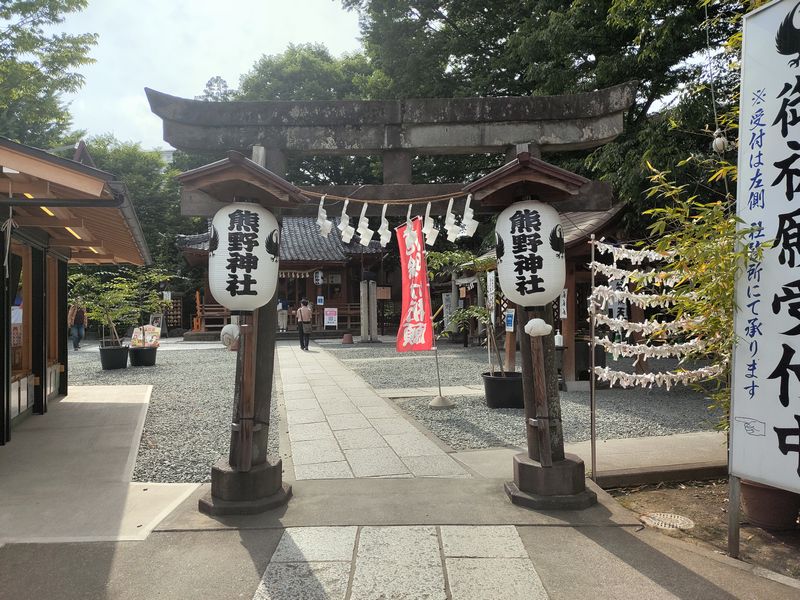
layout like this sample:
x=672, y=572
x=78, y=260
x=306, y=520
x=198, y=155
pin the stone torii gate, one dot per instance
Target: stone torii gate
x=397, y=130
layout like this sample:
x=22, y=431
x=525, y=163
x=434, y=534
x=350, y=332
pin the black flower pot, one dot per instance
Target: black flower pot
x=503, y=392
x=143, y=357
x=113, y=357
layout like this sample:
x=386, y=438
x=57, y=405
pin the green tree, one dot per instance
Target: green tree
x=534, y=47
x=155, y=195
x=37, y=67
x=310, y=72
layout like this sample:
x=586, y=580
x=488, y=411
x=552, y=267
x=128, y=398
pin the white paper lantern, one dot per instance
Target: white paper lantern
x=530, y=253
x=243, y=256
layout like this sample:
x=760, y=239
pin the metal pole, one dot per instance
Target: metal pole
x=438, y=375
x=734, y=491
x=592, y=397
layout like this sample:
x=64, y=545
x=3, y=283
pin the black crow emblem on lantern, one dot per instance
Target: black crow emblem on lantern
x=213, y=243
x=557, y=241
x=787, y=40
x=272, y=245
x=500, y=250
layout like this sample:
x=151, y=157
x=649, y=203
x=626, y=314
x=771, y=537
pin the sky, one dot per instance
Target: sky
x=176, y=46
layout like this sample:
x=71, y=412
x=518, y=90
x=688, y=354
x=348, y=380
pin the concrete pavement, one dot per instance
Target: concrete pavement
x=365, y=537
x=66, y=476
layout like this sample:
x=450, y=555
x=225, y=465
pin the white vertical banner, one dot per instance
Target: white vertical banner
x=562, y=305
x=765, y=411
x=491, y=288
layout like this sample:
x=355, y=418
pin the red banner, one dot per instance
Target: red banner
x=416, y=324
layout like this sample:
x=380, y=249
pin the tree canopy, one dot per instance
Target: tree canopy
x=36, y=67
x=155, y=195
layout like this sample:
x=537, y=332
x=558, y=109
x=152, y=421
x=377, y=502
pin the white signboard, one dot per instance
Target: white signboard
x=765, y=418
x=331, y=317
x=562, y=305
x=491, y=292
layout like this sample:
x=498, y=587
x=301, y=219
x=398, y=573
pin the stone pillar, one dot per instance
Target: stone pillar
x=270, y=158
x=364, y=310
x=373, y=311
x=396, y=166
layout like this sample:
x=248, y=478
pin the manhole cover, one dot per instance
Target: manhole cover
x=667, y=521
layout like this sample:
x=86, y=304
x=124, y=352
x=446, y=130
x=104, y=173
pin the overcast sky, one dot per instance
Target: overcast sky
x=176, y=46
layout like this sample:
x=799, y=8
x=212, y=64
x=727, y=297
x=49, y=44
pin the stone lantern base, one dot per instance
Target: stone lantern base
x=560, y=487
x=245, y=493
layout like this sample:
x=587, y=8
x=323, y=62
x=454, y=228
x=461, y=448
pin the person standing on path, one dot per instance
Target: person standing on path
x=283, y=314
x=76, y=319
x=303, y=315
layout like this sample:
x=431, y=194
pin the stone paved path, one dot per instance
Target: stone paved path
x=401, y=563
x=339, y=427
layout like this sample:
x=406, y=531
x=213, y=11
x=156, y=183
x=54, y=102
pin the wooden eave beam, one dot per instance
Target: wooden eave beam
x=48, y=222
x=62, y=243
x=80, y=182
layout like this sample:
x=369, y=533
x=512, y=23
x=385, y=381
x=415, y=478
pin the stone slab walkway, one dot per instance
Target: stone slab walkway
x=67, y=475
x=339, y=427
x=402, y=563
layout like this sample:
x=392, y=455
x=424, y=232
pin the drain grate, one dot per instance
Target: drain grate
x=667, y=521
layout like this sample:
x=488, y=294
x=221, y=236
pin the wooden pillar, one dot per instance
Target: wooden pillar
x=568, y=327
x=5, y=352
x=38, y=340
x=61, y=327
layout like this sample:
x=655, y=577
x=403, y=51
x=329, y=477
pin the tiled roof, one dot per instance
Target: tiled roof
x=300, y=241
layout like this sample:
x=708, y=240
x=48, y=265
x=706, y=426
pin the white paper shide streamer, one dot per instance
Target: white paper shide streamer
x=363, y=227
x=450, y=225
x=383, y=230
x=468, y=222
x=344, y=225
x=325, y=225
x=429, y=231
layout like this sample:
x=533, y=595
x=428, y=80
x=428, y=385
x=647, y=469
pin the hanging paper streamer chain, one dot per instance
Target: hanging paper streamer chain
x=647, y=327
x=617, y=349
x=642, y=277
x=666, y=379
x=636, y=257
x=604, y=296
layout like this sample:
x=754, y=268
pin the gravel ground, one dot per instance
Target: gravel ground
x=620, y=414
x=187, y=427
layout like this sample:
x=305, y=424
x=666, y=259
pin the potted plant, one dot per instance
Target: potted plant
x=145, y=292
x=107, y=298
x=503, y=388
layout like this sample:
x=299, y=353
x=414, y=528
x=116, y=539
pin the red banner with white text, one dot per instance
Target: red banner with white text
x=416, y=324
